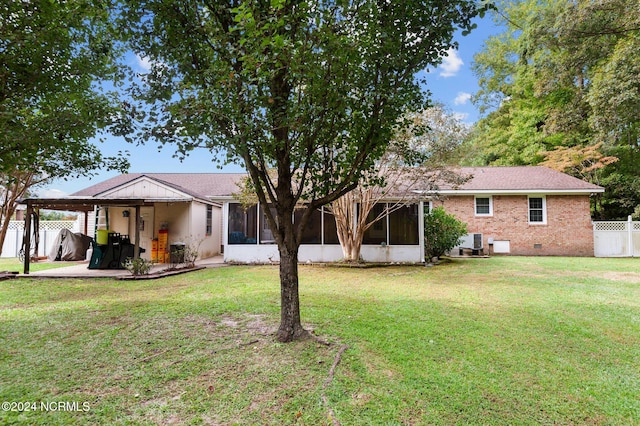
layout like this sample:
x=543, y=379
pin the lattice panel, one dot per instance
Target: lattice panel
x=49, y=225
x=611, y=226
x=16, y=224
x=636, y=226
x=54, y=225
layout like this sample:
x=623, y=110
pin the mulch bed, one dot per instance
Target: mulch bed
x=161, y=274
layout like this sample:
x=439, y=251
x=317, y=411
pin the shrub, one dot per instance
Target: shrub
x=137, y=266
x=442, y=232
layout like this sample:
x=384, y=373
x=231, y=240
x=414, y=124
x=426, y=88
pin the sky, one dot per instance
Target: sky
x=452, y=83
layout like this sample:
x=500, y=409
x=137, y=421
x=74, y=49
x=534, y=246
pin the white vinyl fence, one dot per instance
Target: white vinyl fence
x=48, y=232
x=616, y=239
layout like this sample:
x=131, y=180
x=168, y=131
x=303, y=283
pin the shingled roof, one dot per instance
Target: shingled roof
x=494, y=180
x=518, y=179
x=199, y=185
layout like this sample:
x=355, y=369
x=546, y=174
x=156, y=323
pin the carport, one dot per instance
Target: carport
x=79, y=204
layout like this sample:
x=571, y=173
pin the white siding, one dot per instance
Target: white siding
x=144, y=188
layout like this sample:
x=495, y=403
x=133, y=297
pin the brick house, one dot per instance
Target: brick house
x=508, y=210
x=523, y=210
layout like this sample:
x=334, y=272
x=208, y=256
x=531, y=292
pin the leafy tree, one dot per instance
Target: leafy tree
x=309, y=89
x=442, y=232
x=586, y=162
x=416, y=159
x=52, y=57
x=56, y=215
x=562, y=78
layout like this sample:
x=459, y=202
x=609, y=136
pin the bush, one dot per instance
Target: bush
x=442, y=232
x=137, y=266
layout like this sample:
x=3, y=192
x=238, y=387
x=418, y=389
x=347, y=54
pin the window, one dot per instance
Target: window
x=266, y=235
x=483, y=206
x=330, y=228
x=242, y=224
x=209, y=225
x=244, y=227
x=312, y=233
x=403, y=225
x=399, y=227
x=377, y=233
x=537, y=210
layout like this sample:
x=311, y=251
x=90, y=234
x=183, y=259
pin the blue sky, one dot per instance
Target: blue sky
x=452, y=84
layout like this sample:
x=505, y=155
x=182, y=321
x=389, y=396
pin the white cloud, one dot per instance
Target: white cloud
x=144, y=63
x=451, y=64
x=461, y=116
x=462, y=98
x=51, y=193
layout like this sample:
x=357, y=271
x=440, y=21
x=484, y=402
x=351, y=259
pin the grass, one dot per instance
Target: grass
x=14, y=264
x=506, y=340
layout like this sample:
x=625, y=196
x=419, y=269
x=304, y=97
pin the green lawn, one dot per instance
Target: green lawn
x=14, y=264
x=506, y=340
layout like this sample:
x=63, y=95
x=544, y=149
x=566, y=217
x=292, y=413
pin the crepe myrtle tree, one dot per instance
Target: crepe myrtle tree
x=416, y=160
x=309, y=89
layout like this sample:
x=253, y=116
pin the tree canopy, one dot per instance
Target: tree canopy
x=310, y=89
x=563, y=77
x=53, y=57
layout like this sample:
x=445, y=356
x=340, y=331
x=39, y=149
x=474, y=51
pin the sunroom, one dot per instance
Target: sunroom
x=398, y=237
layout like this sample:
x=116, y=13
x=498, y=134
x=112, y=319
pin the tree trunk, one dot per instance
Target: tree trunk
x=13, y=186
x=290, y=324
x=3, y=231
x=346, y=243
x=356, y=246
x=351, y=243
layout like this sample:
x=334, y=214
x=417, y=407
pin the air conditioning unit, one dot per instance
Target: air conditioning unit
x=471, y=241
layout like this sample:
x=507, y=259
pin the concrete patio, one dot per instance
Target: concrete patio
x=81, y=270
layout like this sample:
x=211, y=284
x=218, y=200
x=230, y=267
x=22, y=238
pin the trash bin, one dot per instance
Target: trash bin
x=176, y=252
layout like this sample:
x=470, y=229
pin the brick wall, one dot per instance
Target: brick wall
x=568, y=231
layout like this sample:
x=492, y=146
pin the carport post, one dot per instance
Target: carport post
x=86, y=222
x=136, y=247
x=27, y=238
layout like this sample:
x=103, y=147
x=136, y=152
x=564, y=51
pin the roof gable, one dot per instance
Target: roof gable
x=145, y=187
x=196, y=185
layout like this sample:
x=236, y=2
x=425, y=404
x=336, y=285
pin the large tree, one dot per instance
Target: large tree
x=53, y=58
x=311, y=90
x=563, y=78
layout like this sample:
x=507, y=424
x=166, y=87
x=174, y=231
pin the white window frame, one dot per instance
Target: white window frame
x=475, y=206
x=209, y=220
x=544, y=210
